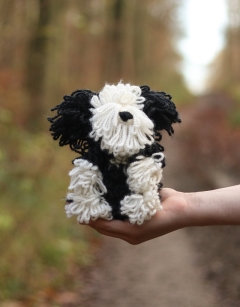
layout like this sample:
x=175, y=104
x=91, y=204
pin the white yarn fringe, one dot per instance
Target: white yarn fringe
x=118, y=137
x=145, y=173
x=140, y=208
x=143, y=178
x=88, y=188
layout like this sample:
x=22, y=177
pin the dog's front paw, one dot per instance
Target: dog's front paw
x=87, y=201
x=140, y=208
x=86, y=178
x=145, y=172
x=87, y=208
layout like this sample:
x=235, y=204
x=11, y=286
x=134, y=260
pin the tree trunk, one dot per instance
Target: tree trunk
x=35, y=67
x=114, y=37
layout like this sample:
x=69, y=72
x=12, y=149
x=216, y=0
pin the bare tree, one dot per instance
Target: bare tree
x=35, y=66
x=225, y=72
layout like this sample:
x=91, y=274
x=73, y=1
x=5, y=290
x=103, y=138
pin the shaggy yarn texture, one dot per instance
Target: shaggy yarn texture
x=117, y=134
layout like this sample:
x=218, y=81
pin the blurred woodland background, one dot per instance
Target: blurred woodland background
x=49, y=48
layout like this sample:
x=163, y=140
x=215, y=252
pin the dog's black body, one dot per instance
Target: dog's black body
x=114, y=175
x=114, y=178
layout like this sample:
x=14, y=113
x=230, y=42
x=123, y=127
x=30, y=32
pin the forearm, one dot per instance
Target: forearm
x=180, y=210
x=216, y=207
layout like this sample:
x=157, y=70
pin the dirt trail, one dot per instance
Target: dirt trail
x=161, y=272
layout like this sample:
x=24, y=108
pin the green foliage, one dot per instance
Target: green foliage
x=39, y=246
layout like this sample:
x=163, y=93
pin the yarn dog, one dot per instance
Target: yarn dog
x=117, y=134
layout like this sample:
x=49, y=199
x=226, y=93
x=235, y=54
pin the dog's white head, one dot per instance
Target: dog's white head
x=118, y=120
x=122, y=118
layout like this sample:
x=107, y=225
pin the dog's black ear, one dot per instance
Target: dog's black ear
x=160, y=109
x=72, y=124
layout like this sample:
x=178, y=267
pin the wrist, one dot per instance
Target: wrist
x=183, y=213
x=216, y=207
x=194, y=211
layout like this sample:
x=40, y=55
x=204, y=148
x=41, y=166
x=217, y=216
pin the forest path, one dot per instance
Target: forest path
x=161, y=272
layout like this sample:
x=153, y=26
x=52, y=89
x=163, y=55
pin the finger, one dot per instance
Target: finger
x=114, y=226
x=111, y=234
x=118, y=229
x=96, y=223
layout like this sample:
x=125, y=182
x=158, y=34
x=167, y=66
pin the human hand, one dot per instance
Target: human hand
x=173, y=216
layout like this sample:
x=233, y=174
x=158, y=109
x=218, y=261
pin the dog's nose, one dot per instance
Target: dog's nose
x=125, y=116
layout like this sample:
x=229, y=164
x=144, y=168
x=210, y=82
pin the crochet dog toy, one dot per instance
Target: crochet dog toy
x=117, y=134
